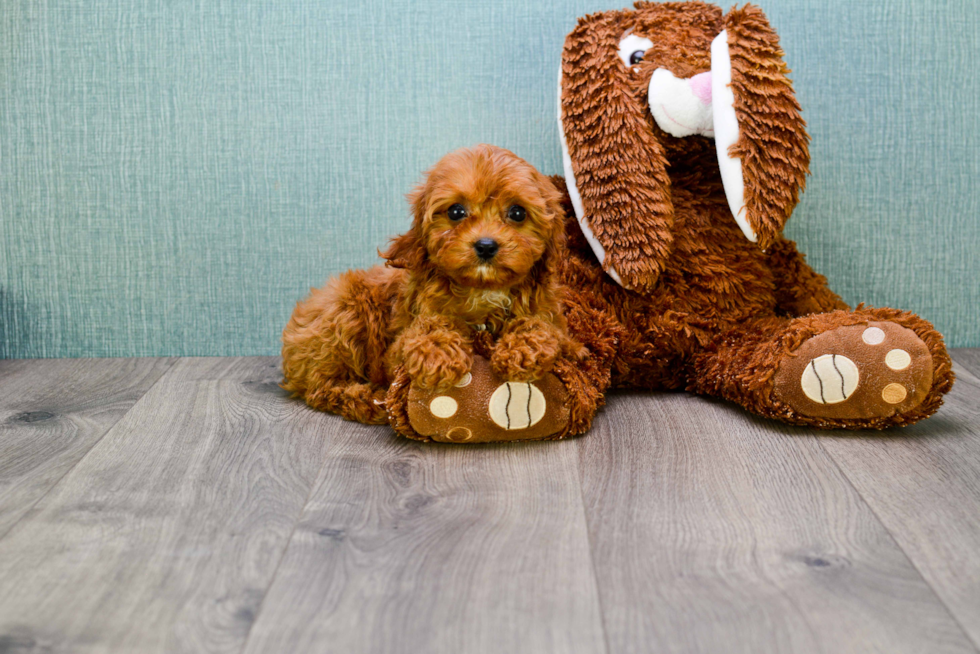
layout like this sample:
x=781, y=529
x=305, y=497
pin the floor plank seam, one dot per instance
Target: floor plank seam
x=588, y=540
x=898, y=544
x=967, y=369
x=285, y=550
x=966, y=364
x=173, y=362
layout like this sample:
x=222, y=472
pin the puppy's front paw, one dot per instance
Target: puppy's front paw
x=440, y=362
x=526, y=355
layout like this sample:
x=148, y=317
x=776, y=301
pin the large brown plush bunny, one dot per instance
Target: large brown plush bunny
x=685, y=154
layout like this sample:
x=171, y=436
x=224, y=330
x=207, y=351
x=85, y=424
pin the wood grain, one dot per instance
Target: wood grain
x=679, y=524
x=713, y=531
x=410, y=547
x=255, y=370
x=52, y=412
x=923, y=482
x=166, y=536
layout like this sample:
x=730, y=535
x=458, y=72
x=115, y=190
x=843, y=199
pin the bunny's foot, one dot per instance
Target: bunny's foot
x=875, y=370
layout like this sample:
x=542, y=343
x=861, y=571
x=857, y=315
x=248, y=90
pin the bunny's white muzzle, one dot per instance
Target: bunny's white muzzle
x=705, y=105
x=681, y=107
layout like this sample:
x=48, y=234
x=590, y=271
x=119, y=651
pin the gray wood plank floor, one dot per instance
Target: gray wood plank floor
x=51, y=414
x=161, y=505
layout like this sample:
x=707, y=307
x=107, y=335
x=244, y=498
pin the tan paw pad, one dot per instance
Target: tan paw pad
x=517, y=405
x=830, y=379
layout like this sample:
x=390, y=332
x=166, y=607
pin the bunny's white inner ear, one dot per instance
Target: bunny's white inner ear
x=583, y=223
x=726, y=132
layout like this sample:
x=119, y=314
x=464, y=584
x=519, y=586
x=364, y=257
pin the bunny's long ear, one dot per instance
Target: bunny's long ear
x=614, y=167
x=762, y=141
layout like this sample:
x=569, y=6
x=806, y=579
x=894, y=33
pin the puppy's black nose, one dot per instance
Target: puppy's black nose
x=486, y=248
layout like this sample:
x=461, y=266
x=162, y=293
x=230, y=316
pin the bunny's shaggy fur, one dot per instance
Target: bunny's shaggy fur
x=692, y=302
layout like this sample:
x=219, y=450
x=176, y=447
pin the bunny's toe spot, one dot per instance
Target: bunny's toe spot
x=873, y=336
x=898, y=360
x=893, y=393
x=459, y=435
x=443, y=407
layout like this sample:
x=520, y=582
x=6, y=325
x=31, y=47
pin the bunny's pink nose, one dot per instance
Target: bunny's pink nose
x=701, y=87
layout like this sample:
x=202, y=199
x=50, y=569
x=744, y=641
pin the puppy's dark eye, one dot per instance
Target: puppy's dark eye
x=457, y=212
x=517, y=213
x=636, y=57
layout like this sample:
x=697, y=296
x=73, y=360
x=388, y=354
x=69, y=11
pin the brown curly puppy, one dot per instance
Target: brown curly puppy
x=481, y=255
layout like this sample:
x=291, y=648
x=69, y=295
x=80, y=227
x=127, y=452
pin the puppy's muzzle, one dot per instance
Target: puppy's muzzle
x=486, y=248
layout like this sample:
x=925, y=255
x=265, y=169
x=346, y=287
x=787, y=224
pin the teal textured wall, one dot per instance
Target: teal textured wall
x=175, y=174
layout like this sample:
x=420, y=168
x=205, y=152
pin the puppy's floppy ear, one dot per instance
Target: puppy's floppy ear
x=408, y=250
x=615, y=168
x=553, y=197
x=765, y=169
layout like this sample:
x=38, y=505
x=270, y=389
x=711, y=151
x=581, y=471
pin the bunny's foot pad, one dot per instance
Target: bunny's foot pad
x=483, y=408
x=874, y=370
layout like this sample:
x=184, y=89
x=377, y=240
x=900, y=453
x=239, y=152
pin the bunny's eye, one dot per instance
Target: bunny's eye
x=517, y=213
x=457, y=212
x=632, y=47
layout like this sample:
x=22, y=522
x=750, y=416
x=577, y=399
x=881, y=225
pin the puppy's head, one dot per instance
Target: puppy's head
x=484, y=218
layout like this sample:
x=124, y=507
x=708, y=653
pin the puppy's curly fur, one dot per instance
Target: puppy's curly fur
x=419, y=313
